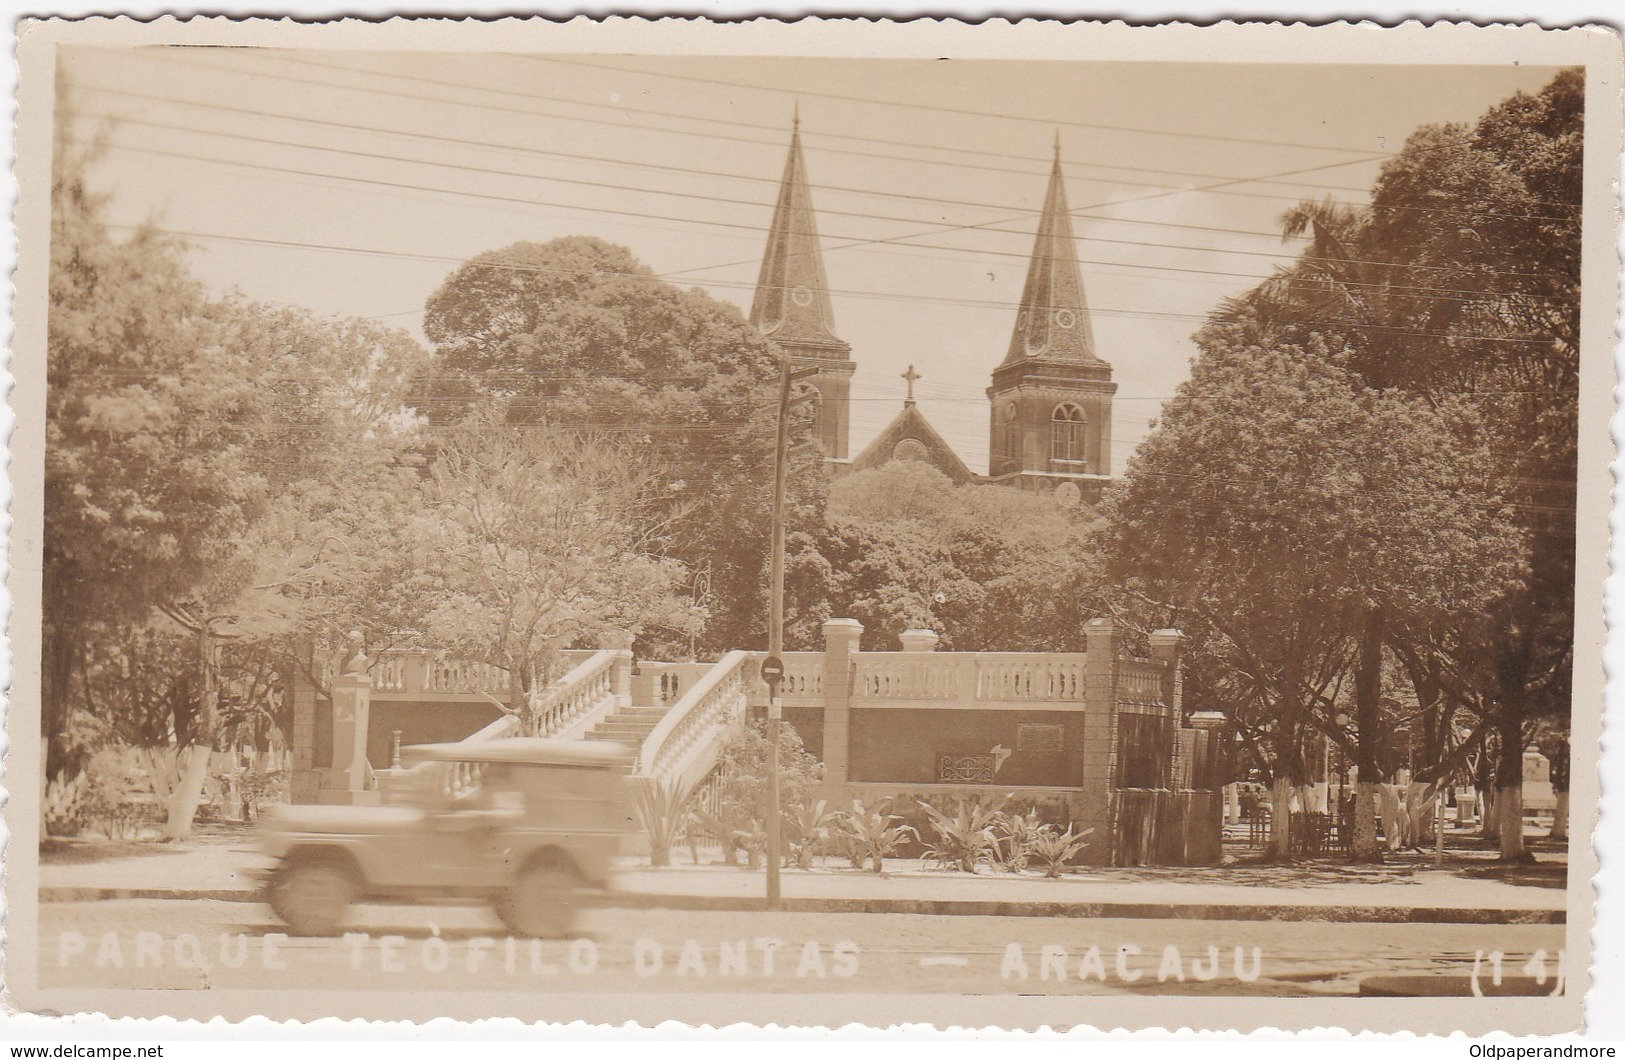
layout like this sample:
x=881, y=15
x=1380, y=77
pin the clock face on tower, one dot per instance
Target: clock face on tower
x=801, y=296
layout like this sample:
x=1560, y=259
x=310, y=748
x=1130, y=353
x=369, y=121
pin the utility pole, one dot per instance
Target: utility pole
x=773, y=665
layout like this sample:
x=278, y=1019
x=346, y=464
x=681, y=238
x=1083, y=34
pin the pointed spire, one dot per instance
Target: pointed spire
x=792, y=298
x=1053, y=321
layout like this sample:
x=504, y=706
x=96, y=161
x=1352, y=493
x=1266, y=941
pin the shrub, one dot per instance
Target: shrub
x=1053, y=849
x=661, y=811
x=965, y=839
x=874, y=834
x=1014, y=833
x=806, y=829
x=64, y=807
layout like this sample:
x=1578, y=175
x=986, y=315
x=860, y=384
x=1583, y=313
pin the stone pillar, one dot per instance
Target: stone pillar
x=415, y=671
x=1165, y=653
x=841, y=644
x=642, y=683
x=919, y=639
x=346, y=781
x=620, y=673
x=1100, y=709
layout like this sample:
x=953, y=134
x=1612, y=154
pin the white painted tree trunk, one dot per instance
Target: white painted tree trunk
x=187, y=793
x=1560, y=817
x=1509, y=812
x=1365, y=847
x=1281, y=819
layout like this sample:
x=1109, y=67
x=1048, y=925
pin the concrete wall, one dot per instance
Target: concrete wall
x=422, y=722
x=901, y=746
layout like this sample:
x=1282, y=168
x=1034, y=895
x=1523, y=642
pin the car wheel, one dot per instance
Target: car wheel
x=313, y=897
x=542, y=902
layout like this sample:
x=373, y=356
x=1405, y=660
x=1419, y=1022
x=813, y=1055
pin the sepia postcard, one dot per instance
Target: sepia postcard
x=1000, y=525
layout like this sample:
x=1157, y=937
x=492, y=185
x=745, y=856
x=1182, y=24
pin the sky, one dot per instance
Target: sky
x=352, y=183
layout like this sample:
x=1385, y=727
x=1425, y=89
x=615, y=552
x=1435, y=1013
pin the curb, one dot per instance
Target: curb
x=931, y=907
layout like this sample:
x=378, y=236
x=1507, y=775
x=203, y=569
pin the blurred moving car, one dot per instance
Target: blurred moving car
x=526, y=824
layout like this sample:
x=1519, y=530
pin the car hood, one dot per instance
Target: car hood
x=355, y=820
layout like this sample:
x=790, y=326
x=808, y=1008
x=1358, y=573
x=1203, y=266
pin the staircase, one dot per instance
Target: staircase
x=628, y=725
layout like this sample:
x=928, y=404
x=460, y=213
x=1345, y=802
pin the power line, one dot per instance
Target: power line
x=524, y=149
x=1223, y=187
x=1374, y=156
x=1277, y=255
x=965, y=112
x=880, y=296
x=734, y=123
x=680, y=132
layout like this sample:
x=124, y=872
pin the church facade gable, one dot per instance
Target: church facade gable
x=910, y=436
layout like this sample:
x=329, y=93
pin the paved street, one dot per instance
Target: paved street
x=234, y=945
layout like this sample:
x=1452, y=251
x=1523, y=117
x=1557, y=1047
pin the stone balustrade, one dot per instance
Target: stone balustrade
x=577, y=700
x=683, y=747
x=463, y=675
x=1140, y=682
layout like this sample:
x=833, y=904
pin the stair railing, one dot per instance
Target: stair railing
x=683, y=747
x=568, y=708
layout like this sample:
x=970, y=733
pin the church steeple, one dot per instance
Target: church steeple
x=1051, y=398
x=792, y=305
x=792, y=297
x=1053, y=321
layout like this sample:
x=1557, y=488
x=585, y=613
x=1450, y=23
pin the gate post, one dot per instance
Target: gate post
x=841, y=637
x=1099, y=717
x=620, y=673
x=346, y=782
x=1165, y=653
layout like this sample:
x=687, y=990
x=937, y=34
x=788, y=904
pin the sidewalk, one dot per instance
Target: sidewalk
x=1390, y=894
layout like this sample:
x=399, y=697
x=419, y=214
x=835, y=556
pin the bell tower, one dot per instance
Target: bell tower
x=792, y=304
x=1051, y=414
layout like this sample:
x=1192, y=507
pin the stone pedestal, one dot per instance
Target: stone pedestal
x=841, y=637
x=346, y=781
x=620, y=674
x=1165, y=653
x=915, y=640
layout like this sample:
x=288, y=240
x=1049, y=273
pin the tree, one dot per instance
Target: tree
x=1278, y=503
x=182, y=430
x=989, y=568
x=1461, y=284
x=577, y=333
x=543, y=538
x=150, y=431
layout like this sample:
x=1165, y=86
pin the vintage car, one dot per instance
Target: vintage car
x=526, y=824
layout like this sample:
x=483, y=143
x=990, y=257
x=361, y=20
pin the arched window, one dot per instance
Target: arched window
x=1066, y=437
x=812, y=419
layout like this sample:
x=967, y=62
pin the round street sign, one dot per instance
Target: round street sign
x=772, y=669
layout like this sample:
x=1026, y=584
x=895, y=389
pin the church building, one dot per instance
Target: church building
x=1050, y=398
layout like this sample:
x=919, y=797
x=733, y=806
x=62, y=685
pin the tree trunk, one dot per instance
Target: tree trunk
x=1560, y=817
x=1489, y=817
x=56, y=677
x=188, y=791
x=1509, y=787
x=1365, y=821
x=1280, y=848
x=1367, y=702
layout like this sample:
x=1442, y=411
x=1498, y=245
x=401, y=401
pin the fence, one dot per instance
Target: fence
x=1151, y=827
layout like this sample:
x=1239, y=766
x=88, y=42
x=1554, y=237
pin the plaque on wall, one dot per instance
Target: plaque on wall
x=966, y=769
x=1040, y=738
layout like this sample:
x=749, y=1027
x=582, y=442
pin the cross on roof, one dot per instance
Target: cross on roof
x=910, y=375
